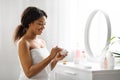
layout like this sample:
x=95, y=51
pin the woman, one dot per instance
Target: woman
x=36, y=62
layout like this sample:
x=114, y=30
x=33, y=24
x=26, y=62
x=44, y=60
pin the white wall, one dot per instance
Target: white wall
x=8, y=53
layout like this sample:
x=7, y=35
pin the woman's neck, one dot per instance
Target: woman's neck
x=30, y=36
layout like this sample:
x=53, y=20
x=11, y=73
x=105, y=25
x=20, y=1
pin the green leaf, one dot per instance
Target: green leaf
x=117, y=53
x=112, y=38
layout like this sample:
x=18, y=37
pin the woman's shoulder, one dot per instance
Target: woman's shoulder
x=23, y=42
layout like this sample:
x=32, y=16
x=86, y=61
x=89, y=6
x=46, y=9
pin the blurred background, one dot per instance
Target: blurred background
x=65, y=26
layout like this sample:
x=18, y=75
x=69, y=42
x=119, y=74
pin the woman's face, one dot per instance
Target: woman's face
x=38, y=25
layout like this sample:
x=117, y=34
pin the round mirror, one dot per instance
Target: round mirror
x=97, y=34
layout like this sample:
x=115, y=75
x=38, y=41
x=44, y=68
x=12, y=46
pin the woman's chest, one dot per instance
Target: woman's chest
x=39, y=54
x=36, y=44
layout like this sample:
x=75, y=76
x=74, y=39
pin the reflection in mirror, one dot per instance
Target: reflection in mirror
x=97, y=34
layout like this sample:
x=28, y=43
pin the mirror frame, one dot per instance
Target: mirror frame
x=86, y=34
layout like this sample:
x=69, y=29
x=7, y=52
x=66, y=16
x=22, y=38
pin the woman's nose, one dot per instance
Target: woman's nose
x=43, y=26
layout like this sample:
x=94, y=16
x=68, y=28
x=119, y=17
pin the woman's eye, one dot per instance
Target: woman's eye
x=41, y=24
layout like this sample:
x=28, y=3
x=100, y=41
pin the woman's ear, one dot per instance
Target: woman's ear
x=29, y=24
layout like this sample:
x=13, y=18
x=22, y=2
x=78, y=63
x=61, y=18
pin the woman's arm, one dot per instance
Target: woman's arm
x=53, y=64
x=56, y=60
x=26, y=60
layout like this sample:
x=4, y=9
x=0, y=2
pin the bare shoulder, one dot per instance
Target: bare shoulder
x=23, y=43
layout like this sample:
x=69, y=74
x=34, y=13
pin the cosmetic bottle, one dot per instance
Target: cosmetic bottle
x=110, y=60
x=77, y=54
x=105, y=64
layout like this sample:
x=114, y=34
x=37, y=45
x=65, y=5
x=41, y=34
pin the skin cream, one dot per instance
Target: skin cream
x=63, y=52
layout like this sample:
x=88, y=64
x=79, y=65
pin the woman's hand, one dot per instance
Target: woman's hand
x=54, y=52
x=59, y=56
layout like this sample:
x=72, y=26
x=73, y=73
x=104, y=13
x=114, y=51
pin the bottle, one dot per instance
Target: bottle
x=77, y=54
x=105, y=63
x=110, y=60
x=83, y=56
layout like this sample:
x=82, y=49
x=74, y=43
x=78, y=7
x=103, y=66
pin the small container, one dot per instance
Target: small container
x=64, y=52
